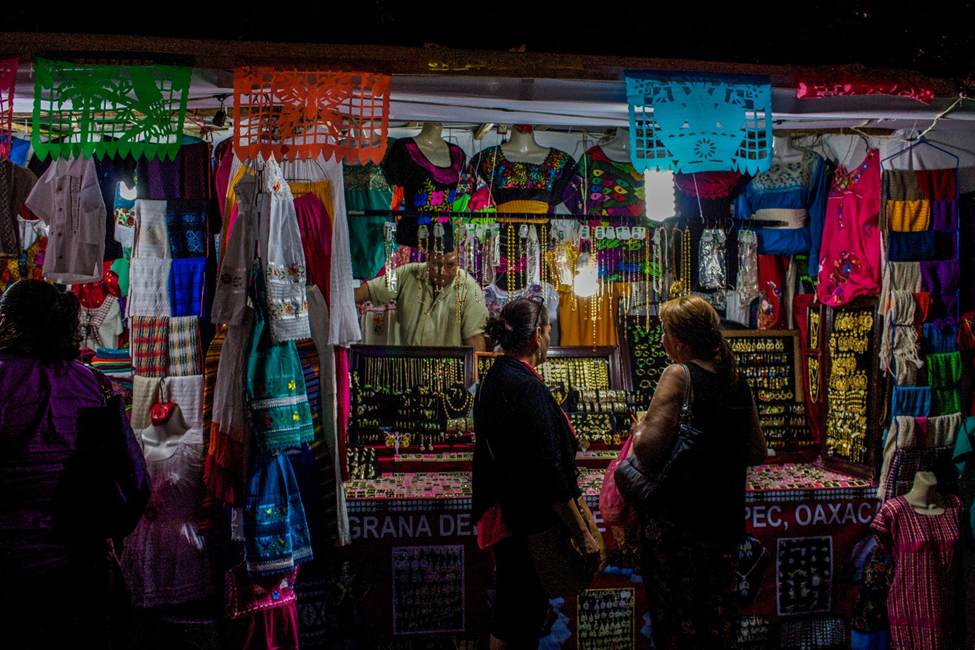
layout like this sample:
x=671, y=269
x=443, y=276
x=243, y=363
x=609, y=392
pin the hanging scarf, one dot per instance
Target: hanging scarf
x=186, y=226
x=909, y=216
x=149, y=287
x=911, y=400
x=939, y=277
x=150, y=345
x=910, y=246
x=285, y=263
x=275, y=385
x=276, y=535
x=184, y=346
x=943, y=430
x=944, y=369
x=187, y=286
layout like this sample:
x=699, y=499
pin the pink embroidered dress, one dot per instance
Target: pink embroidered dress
x=850, y=264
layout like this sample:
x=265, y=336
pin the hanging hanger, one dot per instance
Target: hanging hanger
x=917, y=142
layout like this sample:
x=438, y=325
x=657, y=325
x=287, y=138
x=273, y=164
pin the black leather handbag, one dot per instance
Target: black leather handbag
x=647, y=489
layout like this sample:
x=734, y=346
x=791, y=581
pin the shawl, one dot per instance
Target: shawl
x=939, y=338
x=275, y=386
x=939, y=277
x=276, y=535
x=184, y=346
x=901, y=435
x=225, y=473
x=284, y=263
x=150, y=345
x=187, y=286
x=943, y=430
x=945, y=401
x=944, y=369
x=149, y=287
x=186, y=224
x=188, y=393
x=909, y=216
x=910, y=246
x=905, y=276
x=902, y=185
x=145, y=393
x=944, y=215
x=151, y=237
x=912, y=401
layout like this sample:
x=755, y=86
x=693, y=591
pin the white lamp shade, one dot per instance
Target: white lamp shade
x=659, y=188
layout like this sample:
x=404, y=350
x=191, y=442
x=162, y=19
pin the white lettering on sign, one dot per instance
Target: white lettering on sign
x=397, y=526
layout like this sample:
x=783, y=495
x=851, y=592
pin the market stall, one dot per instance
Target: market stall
x=308, y=293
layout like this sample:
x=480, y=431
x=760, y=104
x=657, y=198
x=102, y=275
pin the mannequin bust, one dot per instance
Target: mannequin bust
x=924, y=497
x=521, y=146
x=431, y=143
x=161, y=439
x=784, y=151
x=618, y=148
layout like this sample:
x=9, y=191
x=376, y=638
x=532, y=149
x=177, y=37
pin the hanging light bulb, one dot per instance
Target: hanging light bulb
x=659, y=188
x=587, y=280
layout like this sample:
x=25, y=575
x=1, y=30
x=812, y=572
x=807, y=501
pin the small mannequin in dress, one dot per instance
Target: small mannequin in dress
x=432, y=145
x=521, y=146
x=924, y=496
x=618, y=149
x=162, y=437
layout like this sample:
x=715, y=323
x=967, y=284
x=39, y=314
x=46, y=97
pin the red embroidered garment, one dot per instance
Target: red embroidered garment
x=306, y=113
x=8, y=78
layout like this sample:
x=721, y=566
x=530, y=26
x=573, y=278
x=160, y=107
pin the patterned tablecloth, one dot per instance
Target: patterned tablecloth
x=454, y=485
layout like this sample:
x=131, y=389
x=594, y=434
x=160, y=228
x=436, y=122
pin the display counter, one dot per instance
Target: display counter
x=415, y=547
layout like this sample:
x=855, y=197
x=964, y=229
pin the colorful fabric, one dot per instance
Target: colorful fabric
x=422, y=186
x=906, y=463
x=276, y=392
x=771, y=196
x=690, y=584
x=310, y=113
x=549, y=183
x=315, y=226
x=837, y=82
x=911, y=400
x=101, y=326
x=944, y=215
x=850, y=258
x=287, y=304
x=939, y=338
x=939, y=277
x=611, y=188
x=149, y=287
x=937, y=184
x=184, y=346
x=943, y=369
x=230, y=429
x=209, y=520
x=109, y=98
x=187, y=286
x=276, y=537
x=145, y=393
x=909, y=216
x=945, y=401
x=722, y=112
x=186, y=225
x=366, y=189
x=33, y=235
x=772, y=284
x=910, y=246
x=8, y=79
x=150, y=345
x=244, y=596
x=922, y=600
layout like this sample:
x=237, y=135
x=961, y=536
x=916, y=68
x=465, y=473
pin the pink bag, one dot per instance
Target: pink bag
x=613, y=507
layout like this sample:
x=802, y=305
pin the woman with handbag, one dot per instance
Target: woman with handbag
x=693, y=447
x=72, y=476
x=524, y=478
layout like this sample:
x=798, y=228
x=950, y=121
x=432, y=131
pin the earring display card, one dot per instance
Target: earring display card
x=753, y=632
x=825, y=633
x=605, y=619
x=804, y=567
x=428, y=589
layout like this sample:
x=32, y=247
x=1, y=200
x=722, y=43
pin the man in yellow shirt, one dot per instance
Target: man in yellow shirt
x=427, y=299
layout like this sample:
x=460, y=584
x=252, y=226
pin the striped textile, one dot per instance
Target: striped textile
x=184, y=346
x=150, y=345
x=326, y=509
x=210, y=512
x=925, y=549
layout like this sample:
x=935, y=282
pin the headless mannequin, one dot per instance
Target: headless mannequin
x=618, y=149
x=924, y=497
x=785, y=152
x=432, y=145
x=161, y=439
x=521, y=146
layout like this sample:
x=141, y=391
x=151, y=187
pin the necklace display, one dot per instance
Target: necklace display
x=848, y=384
x=389, y=237
x=682, y=285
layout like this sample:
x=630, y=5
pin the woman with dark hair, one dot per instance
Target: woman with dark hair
x=71, y=476
x=690, y=542
x=524, y=471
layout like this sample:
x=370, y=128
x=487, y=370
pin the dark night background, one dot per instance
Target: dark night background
x=935, y=38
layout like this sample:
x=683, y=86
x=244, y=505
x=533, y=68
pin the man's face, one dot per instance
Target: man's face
x=443, y=269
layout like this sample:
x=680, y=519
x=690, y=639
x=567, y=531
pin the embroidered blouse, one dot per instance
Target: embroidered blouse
x=421, y=185
x=612, y=188
x=528, y=187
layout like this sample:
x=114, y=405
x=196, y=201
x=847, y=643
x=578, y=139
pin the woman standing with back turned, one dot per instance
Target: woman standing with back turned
x=690, y=543
x=524, y=463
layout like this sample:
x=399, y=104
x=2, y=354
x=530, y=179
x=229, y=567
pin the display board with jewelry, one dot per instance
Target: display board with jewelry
x=848, y=386
x=770, y=360
x=643, y=355
x=410, y=399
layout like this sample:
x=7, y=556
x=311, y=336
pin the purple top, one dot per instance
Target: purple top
x=40, y=405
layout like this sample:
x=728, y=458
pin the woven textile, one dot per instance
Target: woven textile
x=727, y=118
x=276, y=535
x=187, y=286
x=124, y=110
x=275, y=385
x=149, y=287
x=184, y=346
x=908, y=462
x=230, y=430
x=150, y=345
x=306, y=113
x=244, y=597
x=209, y=524
x=922, y=600
x=909, y=216
x=188, y=393
x=8, y=78
x=145, y=393
x=186, y=224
